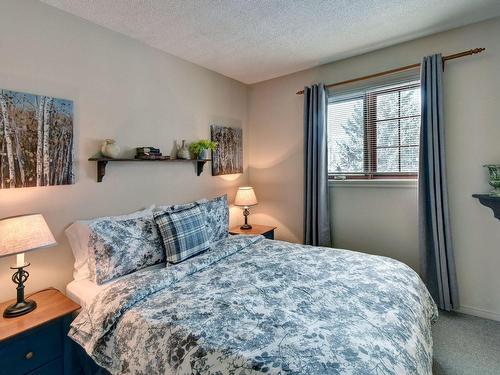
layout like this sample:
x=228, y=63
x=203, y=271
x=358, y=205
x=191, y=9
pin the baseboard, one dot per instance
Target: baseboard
x=479, y=312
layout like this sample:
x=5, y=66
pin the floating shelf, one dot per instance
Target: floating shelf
x=491, y=202
x=102, y=162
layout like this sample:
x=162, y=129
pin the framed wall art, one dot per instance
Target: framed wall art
x=36, y=140
x=228, y=157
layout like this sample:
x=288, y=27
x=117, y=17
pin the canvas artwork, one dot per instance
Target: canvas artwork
x=36, y=140
x=228, y=157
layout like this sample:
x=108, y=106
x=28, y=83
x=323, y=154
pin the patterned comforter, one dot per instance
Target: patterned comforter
x=251, y=305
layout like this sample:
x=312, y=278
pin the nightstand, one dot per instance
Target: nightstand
x=266, y=230
x=37, y=343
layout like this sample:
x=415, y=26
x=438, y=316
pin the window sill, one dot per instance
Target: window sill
x=375, y=183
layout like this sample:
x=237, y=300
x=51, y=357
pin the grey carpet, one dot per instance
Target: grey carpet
x=466, y=345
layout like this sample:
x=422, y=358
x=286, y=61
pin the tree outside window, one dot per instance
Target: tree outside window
x=375, y=134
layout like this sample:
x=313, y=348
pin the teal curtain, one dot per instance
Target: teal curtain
x=436, y=247
x=316, y=204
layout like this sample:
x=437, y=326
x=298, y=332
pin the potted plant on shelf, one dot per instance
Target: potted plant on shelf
x=494, y=174
x=201, y=149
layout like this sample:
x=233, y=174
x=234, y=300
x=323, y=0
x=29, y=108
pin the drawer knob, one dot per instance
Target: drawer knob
x=29, y=355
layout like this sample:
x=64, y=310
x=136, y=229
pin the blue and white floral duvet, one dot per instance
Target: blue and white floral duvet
x=252, y=305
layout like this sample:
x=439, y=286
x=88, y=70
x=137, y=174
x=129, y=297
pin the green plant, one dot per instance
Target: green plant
x=204, y=144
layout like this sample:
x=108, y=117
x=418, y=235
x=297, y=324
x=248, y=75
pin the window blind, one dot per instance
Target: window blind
x=374, y=132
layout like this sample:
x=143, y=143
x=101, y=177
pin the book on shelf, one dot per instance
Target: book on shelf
x=149, y=153
x=147, y=150
x=152, y=157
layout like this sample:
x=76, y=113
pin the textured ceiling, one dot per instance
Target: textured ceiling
x=254, y=40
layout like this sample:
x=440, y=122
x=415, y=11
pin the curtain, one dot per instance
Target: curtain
x=436, y=248
x=316, y=205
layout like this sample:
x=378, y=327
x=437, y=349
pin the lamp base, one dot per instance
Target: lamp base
x=19, y=308
x=246, y=226
x=22, y=306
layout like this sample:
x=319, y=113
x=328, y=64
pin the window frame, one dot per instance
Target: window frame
x=370, y=131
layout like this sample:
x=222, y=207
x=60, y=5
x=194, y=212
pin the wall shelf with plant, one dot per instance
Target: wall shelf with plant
x=102, y=162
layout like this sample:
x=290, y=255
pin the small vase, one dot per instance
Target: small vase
x=183, y=152
x=174, y=151
x=110, y=149
x=204, y=154
x=494, y=174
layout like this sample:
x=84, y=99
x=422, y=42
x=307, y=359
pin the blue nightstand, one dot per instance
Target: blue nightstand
x=37, y=343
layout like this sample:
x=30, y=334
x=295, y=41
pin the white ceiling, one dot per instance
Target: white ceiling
x=254, y=40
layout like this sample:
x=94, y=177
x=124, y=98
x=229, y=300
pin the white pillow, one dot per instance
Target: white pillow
x=78, y=235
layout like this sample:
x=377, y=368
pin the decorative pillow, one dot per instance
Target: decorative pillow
x=184, y=233
x=78, y=235
x=119, y=246
x=217, y=213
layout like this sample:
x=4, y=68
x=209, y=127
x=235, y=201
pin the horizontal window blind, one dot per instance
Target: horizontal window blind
x=374, y=133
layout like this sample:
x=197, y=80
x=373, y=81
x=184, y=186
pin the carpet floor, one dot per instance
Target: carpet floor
x=466, y=345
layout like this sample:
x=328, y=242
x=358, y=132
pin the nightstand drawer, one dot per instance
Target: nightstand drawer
x=53, y=368
x=31, y=350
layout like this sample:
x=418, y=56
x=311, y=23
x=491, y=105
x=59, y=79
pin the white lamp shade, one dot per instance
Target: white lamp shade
x=245, y=197
x=20, y=234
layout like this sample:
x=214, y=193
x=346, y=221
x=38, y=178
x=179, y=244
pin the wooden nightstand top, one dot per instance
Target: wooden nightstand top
x=256, y=229
x=51, y=304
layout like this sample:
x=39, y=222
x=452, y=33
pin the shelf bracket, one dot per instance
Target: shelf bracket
x=491, y=202
x=200, y=164
x=101, y=169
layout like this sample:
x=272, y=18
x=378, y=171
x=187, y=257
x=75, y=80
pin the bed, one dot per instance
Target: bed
x=251, y=305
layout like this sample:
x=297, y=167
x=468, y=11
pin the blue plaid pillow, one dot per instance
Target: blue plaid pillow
x=184, y=233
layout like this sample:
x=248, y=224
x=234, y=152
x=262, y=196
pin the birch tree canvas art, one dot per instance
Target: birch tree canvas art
x=36, y=140
x=228, y=157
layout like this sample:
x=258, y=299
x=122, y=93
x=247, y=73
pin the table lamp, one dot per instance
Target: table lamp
x=245, y=197
x=20, y=234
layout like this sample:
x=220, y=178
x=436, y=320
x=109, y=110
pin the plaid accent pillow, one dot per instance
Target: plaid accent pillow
x=184, y=233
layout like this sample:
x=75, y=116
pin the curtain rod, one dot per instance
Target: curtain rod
x=401, y=69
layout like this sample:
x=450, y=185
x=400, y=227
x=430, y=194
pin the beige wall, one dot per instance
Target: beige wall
x=121, y=89
x=379, y=219
x=383, y=220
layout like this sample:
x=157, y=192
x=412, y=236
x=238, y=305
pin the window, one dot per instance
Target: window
x=375, y=133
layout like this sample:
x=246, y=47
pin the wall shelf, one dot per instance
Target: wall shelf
x=102, y=162
x=491, y=202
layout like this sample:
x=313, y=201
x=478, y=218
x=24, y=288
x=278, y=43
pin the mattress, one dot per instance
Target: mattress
x=84, y=291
